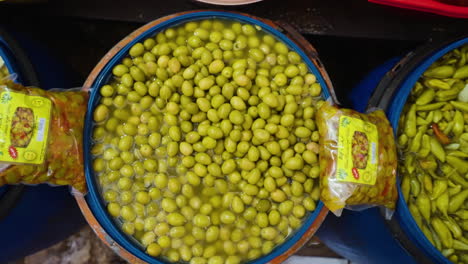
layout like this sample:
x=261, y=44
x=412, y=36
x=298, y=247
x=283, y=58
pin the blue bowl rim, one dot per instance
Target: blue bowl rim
x=394, y=111
x=93, y=199
x=7, y=56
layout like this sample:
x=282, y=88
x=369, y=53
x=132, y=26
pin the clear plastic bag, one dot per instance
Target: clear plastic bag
x=41, y=135
x=358, y=159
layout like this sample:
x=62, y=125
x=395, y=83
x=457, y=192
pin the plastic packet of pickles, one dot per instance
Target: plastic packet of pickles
x=41, y=135
x=358, y=159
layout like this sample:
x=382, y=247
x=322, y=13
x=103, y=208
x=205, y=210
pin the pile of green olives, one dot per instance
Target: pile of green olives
x=205, y=145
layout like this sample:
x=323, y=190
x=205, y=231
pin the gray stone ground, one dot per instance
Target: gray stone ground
x=83, y=247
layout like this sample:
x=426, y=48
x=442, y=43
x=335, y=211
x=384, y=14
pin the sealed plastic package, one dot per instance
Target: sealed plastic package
x=41, y=135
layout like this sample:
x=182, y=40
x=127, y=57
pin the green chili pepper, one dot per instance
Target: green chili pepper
x=452, y=146
x=440, y=72
x=415, y=213
x=461, y=73
x=435, y=176
x=442, y=231
x=463, y=239
x=430, y=107
x=437, y=84
x=427, y=180
x=425, y=146
x=459, y=164
x=449, y=60
x=433, y=208
x=453, y=227
x=460, y=105
x=418, y=87
x=463, y=140
x=464, y=225
x=415, y=186
x=426, y=97
x=424, y=205
x=409, y=163
x=448, y=128
x=447, y=115
x=437, y=149
x=447, y=170
x=457, y=153
x=447, y=107
x=416, y=142
x=454, y=190
x=458, y=245
x=447, y=95
x=428, y=164
x=436, y=239
x=452, y=93
x=427, y=233
x=453, y=258
x=402, y=140
x=440, y=186
x=462, y=59
x=455, y=177
x=437, y=116
x=457, y=200
x=421, y=121
x=458, y=124
x=410, y=122
x=406, y=187
x=421, y=114
x=447, y=252
x=430, y=117
x=462, y=214
x=442, y=203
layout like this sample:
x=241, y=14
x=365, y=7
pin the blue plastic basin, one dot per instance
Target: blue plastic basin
x=93, y=198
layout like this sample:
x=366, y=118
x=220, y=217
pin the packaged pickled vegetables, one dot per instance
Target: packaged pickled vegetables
x=357, y=159
x=41, y=135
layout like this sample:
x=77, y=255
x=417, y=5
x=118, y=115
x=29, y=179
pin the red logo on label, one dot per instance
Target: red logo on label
x=13, y=152
x=355, y=173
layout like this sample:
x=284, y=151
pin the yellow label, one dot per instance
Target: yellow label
x=24, y=127
x=357, y=151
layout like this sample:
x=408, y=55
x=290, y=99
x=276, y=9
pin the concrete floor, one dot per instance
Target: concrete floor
x=81, y=248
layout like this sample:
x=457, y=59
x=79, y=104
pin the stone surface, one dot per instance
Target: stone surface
x=82, y=248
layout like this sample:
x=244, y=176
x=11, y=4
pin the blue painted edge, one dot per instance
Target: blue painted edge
x=394, y=111
x=11, y=64
x=93, y=198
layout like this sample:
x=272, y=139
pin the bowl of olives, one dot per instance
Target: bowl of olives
x=201, y=144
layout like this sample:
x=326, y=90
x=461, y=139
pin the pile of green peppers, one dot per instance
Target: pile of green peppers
x=433, y=144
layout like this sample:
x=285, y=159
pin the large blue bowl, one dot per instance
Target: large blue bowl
x=102, y=76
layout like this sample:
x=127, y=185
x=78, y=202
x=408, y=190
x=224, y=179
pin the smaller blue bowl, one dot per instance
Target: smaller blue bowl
x=402, y=214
